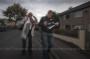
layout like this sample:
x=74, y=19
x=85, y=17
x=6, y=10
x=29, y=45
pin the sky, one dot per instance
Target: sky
x=40, y=7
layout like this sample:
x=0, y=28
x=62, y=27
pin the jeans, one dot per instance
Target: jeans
x=46, y=39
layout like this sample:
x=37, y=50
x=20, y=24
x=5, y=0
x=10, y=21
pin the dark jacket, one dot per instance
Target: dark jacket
x=50, y=24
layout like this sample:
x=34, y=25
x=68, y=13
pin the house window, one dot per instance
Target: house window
x=78, y=14
x=85, y=12
x=67, y=16
x=68, y=27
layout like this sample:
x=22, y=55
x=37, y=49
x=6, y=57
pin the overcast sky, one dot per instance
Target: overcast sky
x=40, y=7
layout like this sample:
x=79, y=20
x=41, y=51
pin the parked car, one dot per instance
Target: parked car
x=11, y=24
x=20, y=24
x=3, y=27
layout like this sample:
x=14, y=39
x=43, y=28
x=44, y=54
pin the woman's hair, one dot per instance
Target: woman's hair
x=30, y=13
x=50, y=11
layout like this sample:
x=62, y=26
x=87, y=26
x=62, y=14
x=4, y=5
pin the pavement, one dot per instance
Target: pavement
x=11, y=47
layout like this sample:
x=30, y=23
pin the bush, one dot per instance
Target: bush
x=73, y=33
x=60, y=31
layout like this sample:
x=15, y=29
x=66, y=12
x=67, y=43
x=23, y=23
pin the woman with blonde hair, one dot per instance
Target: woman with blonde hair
x=28, y=32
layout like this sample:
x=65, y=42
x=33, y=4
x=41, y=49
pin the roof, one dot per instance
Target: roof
x=77, y=8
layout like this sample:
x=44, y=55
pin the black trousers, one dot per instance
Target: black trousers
x=29, y=37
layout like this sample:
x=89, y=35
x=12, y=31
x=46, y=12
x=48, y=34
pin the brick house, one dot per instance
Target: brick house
x=76, y=18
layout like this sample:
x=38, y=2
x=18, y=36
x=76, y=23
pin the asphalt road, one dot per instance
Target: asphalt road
x=11, y=46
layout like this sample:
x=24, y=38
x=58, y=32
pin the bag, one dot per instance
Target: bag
x=21, y=27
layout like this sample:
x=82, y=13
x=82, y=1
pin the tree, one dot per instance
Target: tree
x=56, y=16
x=15, y=11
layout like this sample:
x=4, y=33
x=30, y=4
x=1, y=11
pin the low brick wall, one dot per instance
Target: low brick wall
x=80, y=41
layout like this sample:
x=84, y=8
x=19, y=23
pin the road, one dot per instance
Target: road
x=11, y=46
